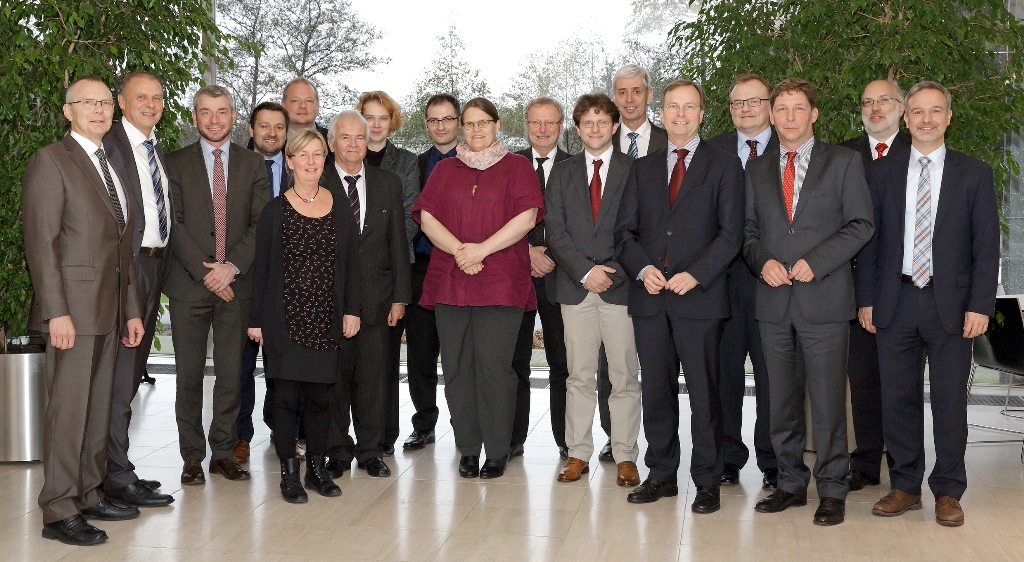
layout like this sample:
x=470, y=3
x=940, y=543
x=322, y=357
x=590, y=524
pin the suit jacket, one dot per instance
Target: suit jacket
x=659, y=140
x=965, y=241
x=383, y=249
x=701, y=234
x=80, y=264
x=248, y=191
x=403, y=164
x=727, y=141
x=860, y=144
x=536, y=236
x=122, y=158
x=831, y=223
x=574, y=239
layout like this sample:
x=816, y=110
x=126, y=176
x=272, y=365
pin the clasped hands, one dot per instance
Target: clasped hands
x=469, y=257
x=219, y=279
x=775, y=274
x=680, y=283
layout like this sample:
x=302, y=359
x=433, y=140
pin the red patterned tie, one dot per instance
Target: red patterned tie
x=678, y=173
x=220, y=204
x=595, y=190
x=788, y=182
x=753, y=149
x=880, y=147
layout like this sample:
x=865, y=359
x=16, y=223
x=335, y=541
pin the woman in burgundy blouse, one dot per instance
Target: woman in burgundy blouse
x=477, y=209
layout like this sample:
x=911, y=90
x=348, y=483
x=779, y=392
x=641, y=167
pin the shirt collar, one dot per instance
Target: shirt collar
x=762, y=138
x=937, y=155
x=135, y=136
x=87, y=145
x=277, y=158
x=690, y=146
x=342, y=173
x=873, y=142
x=209, y=148
x=644, y=130
x=605, y=157
x=802, y=151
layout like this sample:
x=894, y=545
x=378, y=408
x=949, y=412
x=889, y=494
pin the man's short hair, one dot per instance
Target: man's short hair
x=268, y=106
x=127, y=77
x=900, y=96
x=544, y=100
x=213, y=91
x=597, y=101
x=387, y=102
x=438, y=99
x=743, y=78
x=338, y=117
x=931, y=85
x=88, y=78
x=300, y=80
x=796, y=85
x=630, y=70
x=683, y=83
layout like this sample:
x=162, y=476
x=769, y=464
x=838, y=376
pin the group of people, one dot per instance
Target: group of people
x=653, y=247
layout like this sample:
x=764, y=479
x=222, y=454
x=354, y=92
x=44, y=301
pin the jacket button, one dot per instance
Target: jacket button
x=670, y=233
x=213, y=234
x=117, y=270
x=791, y=231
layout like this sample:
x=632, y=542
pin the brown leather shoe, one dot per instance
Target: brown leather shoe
x=241, y=451
x=574, y=469
x=948, y=511
x=628, y=474
x=896, y=502
x=229, y=468
x=192, y=472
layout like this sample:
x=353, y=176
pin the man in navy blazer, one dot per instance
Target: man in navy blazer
x=679, y=227
x=926, y=285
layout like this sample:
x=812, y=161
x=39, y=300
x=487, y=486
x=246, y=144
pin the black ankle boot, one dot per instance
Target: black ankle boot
x=319, y=478
x=291, y=488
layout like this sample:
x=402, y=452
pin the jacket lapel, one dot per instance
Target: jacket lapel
x=617, y=170
x=818, y=157
x=695, y=172
x=84, y=163
x=950, y=183
x=773, y=177
x=203, y=181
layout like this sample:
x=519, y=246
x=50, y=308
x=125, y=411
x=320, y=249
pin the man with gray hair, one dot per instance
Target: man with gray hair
x=208, y=284
x=632, y=93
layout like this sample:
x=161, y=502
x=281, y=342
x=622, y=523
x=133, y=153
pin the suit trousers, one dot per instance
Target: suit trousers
x=76, y=424
x=587, y=325
x=191, y=323
x=392, y=374
x=150, y=273
x=865, y=401
x=422, y=351
x=664, y=341
x=477, y=344
x=357, y=398
x=741, y=337
x=914, y=333
x=824, y=349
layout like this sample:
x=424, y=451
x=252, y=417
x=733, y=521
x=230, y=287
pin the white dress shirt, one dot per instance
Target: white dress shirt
x=360, y=189
x=642, y=142
x=605, y=158
x=151, y=233
x=90, y=149
x=935, y=169
x=873, y=142
x=547, y=165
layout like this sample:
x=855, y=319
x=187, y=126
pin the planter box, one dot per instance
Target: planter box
x=22, y=406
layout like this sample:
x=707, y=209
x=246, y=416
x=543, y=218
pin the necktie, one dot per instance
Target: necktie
x=678, y=173
x=270, y=177
x=633, y=152
x=111, y=191
x=158, y=190
x=880, y=147
x=595, y=190
x=220, y=205
x=353, y=198
x=923, y=226
x=753, y=149
x=540, y=173
x=789, y=183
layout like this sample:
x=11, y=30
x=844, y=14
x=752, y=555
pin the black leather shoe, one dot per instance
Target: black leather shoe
x=652, y=490
x=110, y=510
x=291, y=488
x=153, y=485
x=771, y=479
x=469, y=466
x=563, y=453
x=831, y=511
x=375, y=467
x=418, y=439
x=229, y=468
x=606, y=453
x=319, y=478
x=708, y=500
x=493, y=468
x=858, y=480
x=779, y=500
x=516, y=450
x=74, y=530
x=336, y=467
x=140, y=496
x=730, y=474
x=388, y=450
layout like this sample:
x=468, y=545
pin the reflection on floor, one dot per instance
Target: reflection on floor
x=426, y=512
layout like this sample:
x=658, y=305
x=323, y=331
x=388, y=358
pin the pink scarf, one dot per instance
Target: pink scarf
x=483, y=159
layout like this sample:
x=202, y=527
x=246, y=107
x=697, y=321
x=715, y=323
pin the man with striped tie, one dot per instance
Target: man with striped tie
x=632, y=93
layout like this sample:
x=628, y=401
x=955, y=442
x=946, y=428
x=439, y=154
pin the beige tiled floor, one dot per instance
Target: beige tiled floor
x=426, y=512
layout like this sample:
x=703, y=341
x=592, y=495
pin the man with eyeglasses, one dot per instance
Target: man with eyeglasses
x=544, y=119
x=753, y=135
x=423, y=348
x=632, y=92
x=680, y=225
x=78, y=243
x=881, y=109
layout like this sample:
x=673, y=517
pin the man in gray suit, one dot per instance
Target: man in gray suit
x=808, y=214
x=78, y=244
x=582, y=202
x=218, y=190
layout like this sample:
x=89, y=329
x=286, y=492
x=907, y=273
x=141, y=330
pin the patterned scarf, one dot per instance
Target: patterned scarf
x=483, y=159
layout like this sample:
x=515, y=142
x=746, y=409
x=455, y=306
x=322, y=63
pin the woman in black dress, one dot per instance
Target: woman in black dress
x=305, y=300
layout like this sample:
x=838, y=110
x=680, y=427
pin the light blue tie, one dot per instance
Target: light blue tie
x=633, y=152
x=922, y=263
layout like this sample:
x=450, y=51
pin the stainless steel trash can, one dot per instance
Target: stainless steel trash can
x=22, y=406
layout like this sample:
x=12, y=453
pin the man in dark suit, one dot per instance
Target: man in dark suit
x=375, y=198
x=680, y=225
x=637, y=136
x=218, y=188
x=927, y=284
x=748, y=105
x=78, y=243
x=544, y=119
x=133, y=152
x=422, y=346
x=808, y=214
x=881, y=109
x=582, y=202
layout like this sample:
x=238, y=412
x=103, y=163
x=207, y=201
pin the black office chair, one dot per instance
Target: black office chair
x=1001, y=349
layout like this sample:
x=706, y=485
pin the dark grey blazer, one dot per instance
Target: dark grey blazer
x=659, y=140
x=831, y=223
x=403, y=164
x=122, y=158
x=575, y=241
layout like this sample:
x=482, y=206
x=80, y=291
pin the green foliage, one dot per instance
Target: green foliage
x=48, y=43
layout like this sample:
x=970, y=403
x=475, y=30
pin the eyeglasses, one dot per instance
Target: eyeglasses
x=752, y=102
x=434, y=121
x=884, y=100
x=105, y=104
x=548, y=124
x=599, y=124
x=676, y=108
x=477, y=124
